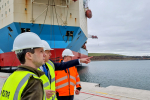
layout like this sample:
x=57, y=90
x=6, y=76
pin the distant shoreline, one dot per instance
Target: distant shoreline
x=109, y=58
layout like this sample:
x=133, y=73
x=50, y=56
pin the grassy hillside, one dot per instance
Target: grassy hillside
x=103, y=54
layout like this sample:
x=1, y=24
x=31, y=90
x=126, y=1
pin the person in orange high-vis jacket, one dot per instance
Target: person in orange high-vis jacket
x=67, y=79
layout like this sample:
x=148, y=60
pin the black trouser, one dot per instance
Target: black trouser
x=65, y=97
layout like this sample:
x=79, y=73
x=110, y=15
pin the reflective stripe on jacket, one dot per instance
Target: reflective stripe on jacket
x=51, y=74
x=66, y=80
x=46, y=83
x=15, y=84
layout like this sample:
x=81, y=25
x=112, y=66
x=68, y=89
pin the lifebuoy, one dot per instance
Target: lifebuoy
x=74, y=0
x=88, y=13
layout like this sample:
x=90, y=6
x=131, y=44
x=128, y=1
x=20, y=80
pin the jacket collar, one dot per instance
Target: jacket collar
x=27, y=68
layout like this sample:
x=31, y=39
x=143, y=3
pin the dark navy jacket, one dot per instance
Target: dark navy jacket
x=64, y=65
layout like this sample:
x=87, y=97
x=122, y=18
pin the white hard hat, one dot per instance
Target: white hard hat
x=46, y=45
x=67, y=52
x=27, y=40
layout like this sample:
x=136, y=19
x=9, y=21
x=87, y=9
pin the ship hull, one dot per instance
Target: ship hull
x=9, y=59
x=62, y=26
x=55, y=35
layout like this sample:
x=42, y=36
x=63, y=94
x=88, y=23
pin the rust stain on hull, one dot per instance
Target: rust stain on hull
x=70, y=15
x=26, y=8
x=75, y=20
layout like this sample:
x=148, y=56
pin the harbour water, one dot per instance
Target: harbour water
x=132, y=74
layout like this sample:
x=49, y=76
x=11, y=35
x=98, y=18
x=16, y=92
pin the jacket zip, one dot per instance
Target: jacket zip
x=69, y=81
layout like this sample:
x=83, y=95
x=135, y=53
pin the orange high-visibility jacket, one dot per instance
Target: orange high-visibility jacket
x=66, y=80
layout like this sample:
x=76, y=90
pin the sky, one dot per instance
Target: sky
x=122, y=27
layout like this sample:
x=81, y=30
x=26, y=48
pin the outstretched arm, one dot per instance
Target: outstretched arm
x=64, y=65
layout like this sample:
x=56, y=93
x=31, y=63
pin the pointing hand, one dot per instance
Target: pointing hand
x=85, y=60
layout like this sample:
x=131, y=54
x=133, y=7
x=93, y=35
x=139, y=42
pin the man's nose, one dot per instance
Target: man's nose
x=44, y=54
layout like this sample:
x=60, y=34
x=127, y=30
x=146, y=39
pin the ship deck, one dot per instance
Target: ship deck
x=92, y=91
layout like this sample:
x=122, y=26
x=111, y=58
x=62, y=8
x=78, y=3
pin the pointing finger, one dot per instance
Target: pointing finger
x=90, y=57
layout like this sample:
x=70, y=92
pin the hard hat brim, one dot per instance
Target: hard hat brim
x=49, y=49
x=28, y=48
x=68, y=55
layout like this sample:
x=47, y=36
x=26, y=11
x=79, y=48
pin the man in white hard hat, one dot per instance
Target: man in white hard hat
x=67, y=79
x=25, y=82
x=50, y=67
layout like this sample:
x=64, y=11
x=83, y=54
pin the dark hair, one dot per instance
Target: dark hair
x=21, y=55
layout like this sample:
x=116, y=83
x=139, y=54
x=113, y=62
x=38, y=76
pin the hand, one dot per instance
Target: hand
x=85, y=60
x=77, y=92
x=49, y=93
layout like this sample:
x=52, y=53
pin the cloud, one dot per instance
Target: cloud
x=121, y=26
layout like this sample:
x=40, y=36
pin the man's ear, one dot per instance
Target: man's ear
x=28, y=55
